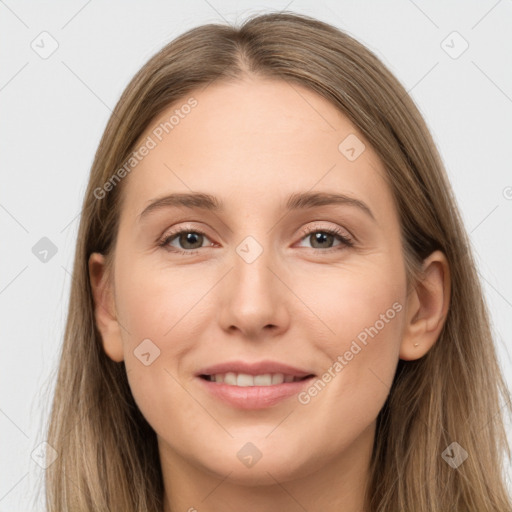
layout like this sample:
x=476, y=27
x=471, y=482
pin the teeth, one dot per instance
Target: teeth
x=229, y=378
x=245, y=380
x=277, y=378
x=263, y=380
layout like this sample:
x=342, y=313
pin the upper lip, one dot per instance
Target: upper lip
x=256, y=368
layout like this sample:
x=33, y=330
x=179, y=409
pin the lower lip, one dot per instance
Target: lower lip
x=254, y=397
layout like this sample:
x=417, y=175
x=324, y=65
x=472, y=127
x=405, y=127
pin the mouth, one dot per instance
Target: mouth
x=253, y=385
x=246, y=380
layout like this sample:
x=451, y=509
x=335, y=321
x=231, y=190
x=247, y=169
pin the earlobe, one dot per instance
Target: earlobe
x=104, y=307
x=427, y=308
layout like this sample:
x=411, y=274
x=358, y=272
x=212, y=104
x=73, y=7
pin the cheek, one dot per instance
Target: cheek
x=365, y=313
x=368, y=323
x=363, y=307
x=158, y=303
x=156, y=310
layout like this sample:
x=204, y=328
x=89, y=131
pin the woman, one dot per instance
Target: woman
x=251, y=371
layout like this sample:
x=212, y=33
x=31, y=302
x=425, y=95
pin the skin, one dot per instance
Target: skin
x=253, y=143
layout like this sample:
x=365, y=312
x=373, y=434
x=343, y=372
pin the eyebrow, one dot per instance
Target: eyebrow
x=297, y=201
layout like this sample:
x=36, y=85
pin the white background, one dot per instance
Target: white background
x=53, y=112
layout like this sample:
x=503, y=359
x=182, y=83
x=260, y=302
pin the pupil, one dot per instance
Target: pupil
x=189, y=238
x=321, y=237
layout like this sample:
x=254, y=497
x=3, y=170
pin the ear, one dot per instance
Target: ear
x=104, y=307
x=427, y=308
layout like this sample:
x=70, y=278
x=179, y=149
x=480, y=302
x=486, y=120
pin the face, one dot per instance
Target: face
x=260, y=336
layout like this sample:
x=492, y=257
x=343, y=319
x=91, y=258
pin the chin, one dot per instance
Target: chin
x=273, y=465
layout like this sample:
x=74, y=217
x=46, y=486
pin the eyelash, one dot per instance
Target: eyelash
x=347, y=242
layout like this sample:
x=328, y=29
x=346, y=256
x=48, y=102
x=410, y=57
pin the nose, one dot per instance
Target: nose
x=253, y=297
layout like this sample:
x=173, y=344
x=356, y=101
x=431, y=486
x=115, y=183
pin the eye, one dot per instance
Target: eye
x=322, y=238
x=188, y=239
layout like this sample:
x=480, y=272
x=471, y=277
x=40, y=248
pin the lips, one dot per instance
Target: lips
x=253, y=385
x=255, y=370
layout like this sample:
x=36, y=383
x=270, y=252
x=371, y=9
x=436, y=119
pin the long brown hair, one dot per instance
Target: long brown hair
x=107, y=452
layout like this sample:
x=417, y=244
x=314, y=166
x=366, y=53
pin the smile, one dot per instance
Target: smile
x=246, y=380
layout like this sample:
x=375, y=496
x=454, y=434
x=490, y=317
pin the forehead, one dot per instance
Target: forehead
x=254, y=139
